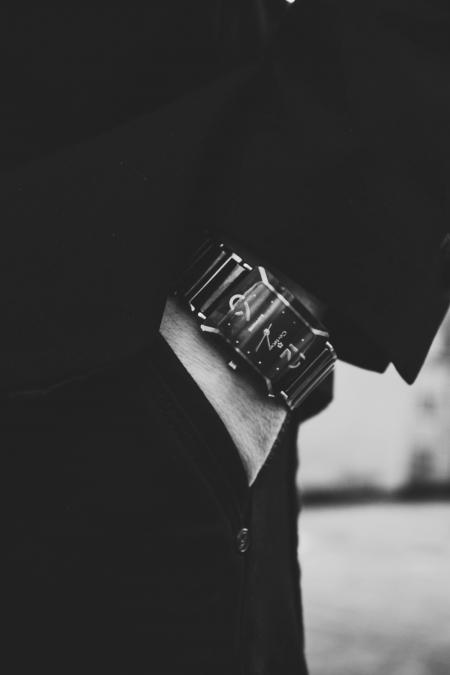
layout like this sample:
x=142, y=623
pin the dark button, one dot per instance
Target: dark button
x=243, y=540
x=445, y=261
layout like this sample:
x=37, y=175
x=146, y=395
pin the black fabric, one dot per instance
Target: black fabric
x=273, y=627
x=271, y=631
x=125, y=498
x=323, y=146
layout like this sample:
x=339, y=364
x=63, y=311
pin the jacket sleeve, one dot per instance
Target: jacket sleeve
x=342, y=177
x=92, y=235
x=329, y=155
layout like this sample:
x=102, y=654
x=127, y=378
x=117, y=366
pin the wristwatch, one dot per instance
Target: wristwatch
x=264, y=325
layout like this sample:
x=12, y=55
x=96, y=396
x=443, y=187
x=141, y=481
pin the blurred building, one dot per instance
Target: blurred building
x=429, y=440
x=381, y=431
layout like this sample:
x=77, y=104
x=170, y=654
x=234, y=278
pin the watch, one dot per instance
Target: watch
x=264, y=325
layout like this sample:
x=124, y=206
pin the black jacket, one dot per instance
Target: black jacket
x=320, y=140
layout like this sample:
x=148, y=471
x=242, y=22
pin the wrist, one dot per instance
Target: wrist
x=263, y=323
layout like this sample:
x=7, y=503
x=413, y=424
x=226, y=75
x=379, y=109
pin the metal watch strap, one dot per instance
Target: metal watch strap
x=214, y=270
x=211, y=273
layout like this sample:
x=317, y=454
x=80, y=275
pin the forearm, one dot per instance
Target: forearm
x=251, y=418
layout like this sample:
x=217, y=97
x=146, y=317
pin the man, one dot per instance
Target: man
x=151, y=526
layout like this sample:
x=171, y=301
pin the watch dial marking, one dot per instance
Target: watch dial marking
x=234, y=300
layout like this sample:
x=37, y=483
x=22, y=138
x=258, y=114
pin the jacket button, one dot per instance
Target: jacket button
x=445, y=262
x=243, y=540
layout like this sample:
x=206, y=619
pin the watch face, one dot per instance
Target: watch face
x=260, y=319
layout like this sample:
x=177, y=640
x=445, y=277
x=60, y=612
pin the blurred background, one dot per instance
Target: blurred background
x=374, y=485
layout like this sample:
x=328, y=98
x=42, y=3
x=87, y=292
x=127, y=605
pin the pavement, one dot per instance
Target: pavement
x=376, y=589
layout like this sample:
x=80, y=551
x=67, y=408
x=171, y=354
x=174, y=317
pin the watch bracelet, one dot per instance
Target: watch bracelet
x=213, y=271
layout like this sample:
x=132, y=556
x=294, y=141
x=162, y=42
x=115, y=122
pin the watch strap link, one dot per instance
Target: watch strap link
x=213, y=271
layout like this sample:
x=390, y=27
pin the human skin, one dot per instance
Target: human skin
x=252, y=419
